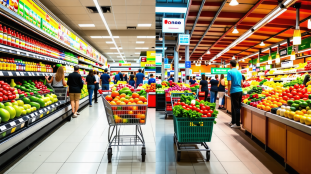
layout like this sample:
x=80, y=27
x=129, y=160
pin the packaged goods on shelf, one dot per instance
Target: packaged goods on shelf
x=13, y=64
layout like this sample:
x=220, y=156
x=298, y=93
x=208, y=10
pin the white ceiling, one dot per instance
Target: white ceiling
x=124, y=13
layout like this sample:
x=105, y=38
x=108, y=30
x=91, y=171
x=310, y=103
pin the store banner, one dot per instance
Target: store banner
x=167, y=66
x=219, y=70
x=287, y=64
x=150, y=59
x=181, y=65
x=125, y=64
x=159, y=59
x=305, y=44
x=173, y=25
x=166, y=61
x=283, y=52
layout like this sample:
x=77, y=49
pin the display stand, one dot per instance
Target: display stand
x=152, y=100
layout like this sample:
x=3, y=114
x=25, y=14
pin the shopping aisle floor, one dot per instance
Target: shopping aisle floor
x=80, y=146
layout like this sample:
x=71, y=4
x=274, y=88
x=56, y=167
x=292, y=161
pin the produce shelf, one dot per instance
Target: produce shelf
x=32, y=55
x=285, y=73
x=20, y=20
x=23, y=74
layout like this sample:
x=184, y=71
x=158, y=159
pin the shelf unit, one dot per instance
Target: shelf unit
x=285, y=73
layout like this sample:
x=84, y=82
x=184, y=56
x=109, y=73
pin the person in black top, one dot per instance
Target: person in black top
x=125, y=77
x=75, y=84
x=204, y=87
x=121, y=76
x=90, y=80
x=214, y=89
x=131, y=80
x=221, y=91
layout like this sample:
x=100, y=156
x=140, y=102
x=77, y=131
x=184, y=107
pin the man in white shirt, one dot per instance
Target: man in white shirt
x=96, y=85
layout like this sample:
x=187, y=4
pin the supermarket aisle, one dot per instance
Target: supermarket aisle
x=80, y=146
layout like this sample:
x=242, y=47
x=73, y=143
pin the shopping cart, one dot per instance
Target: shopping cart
x=169, y=98
x=61, y=93
x=188, y=132
x=122, y=115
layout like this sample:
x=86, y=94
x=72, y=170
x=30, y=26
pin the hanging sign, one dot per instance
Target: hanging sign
x=173, y=25
x=143, y=59
x=188, y=64
x=219, y=70
x=283, y=52
x=167, y=66
x=184, y=39
x=287, y=64
x=166, y=61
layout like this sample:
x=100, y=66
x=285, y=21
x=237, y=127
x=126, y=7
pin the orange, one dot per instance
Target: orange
x=126, y=101
x=304, y=111
x=142, y=98
x=135, y=95
x=274, y=106
x=136, y=100
x=118, y=102
x=113, y=103
x=131, y=100
x=279, y=104
x=122, y=103
x=145, y=103
x=108, y=98
x=142, y=121
x=134, y=108
x=122, y=99
x=142, y=116
x=263, y=107
x=130, y=112
x=140, y=102
x=268, y=108
x=129, y=103
x=114, y=94
x=122, y=95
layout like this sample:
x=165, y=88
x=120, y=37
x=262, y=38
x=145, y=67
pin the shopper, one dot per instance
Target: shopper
x=140, y=77
x=214, y=89
x=221, y=90
x=235, y=92
x=91, y=81
x=105, y=80
x=192, y=81
x=121, y=76
x=116, y=78
x=171, y=78
x=203, y=86
x=125, y=77
x=131, y=80
x=179, y=80
x=58, y=79
x=151, y=80
x=75, y=84
x=96, y=86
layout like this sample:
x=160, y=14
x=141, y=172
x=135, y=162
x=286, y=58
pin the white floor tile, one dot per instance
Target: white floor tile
x=77, y=168
x=49, y=168
x=85, y=157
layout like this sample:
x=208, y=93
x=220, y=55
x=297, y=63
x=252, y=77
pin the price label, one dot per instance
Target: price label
x=1, y=73
x=45, y=109
x=33, y=120
x=30, y=55
x=40, y=111
x=20, y=120
x=2, y=128
x=32, y=115
x=38, y=74
x=23, y=54
x=22, y=74
x=5, y=50
x=52, y=106
x=56, y=104
x=29, y=74
x=10, y=73
x=13, y=124
x=36, y=113
x=49, y=108
x=17, y=73
x=13, y=51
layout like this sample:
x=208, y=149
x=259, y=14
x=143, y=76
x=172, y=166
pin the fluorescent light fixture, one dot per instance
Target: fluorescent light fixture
x=233, y=57
x=171, y=9
x=86, y=25
x=96, y=37
x=287, y=2
x=201, y=58
x=109, y=42
x=141, y=48
x=140, y=42
x=160, y=48
x=262, y=44
x=234, y=3
x=146, y=37
x=103, y=37
x=114, y=48
x=144, y=25
x=137, y=53
x=309, y=23
x=235, y=31
x=150, y=37
x=208, y=52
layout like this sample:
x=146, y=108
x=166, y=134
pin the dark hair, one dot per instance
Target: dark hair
x=233, y=63
x=159, y=77
x=172, y=76
x=91, y=73
x=193, y=77
x=151, y=75
x=76, y=68
x=216, y=76
x=106, y=70
x=132, y=72
x=139, y=70
x=179, y=77
x=203, y=77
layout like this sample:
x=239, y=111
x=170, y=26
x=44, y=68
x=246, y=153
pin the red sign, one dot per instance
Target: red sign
x=130, y=68
x=47, y=18
x=143, y=59
x=243, y=71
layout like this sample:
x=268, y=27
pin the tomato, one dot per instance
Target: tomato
x=184, y=107
x=209, y=115
x=182, y=103
x=192, y=104
x=197, y=100
x=291, y=88
x=187, y=109
x=211, y=111
x=297, y=97
x=304, y=90
x=198, y=109
x=300, y=94
x=205, y=112
x=187, y=105
x=178, y=100
x=208, y=108
x=14, y=96
x=296, y=86
x=203, y=108
x=306, y=95
x=302, y=86
x=284, y=93
x=204, y=116
x=5, y=98
x=289, y=95
x=202, y=104
x=305, y=99
x=298, y=90
x=286, y=90
x=1, y=99
x=285, y=98
x=190, y=107
x=294, y=92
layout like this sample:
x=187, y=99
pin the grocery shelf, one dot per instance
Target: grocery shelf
x=20, y=20
x=23, y=73
x=90, y=64
x=32, y=55
x=285, y=73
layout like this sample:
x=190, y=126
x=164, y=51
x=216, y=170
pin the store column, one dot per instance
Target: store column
x=176, y=61
x=163, y=57
x=187, y=59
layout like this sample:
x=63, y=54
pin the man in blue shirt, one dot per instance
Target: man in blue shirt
x=234, y=78
x=171, y=78
x=151, y=80
x=140, y=77
x=121, y=76
x=104, y=80
x=192, y=81
x=116, y=78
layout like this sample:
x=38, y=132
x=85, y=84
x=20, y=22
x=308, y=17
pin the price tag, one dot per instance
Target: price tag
x=30, y=55
x=29, y=74
x=13, y=124
x=2, y=128
x=53, y=106
x=13, y=51
x=36, y=113
x=45, y=109
x=56, y=104
x=5, y=50
x=49, y=108
x=32, y=115
x=33, y=120
x=10, y=73
x=22, y=74
x=1, y=73
x=40, y=111
x=23, y=54
x=20, y=120
x=38, y=74
x=17, y=73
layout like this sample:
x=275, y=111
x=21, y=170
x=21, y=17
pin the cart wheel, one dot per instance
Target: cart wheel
x=109, y=155
x=143, y=154
x=208, y=155
x=178, y=155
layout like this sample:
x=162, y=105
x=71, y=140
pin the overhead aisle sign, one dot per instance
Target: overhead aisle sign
x=220, y=70
x=173, y=25
x=150, y=60
x=184, y=39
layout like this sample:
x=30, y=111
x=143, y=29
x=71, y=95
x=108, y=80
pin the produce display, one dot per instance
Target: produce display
x=150, y=88
x=188, y=106
x=178, y=89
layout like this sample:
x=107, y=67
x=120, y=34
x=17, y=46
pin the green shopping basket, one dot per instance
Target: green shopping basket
x=193, y=130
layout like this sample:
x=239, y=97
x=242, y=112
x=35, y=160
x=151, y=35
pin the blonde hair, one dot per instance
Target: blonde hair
x=59, y=74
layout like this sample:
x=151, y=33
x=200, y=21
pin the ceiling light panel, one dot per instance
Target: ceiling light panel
x=141, y=48
x=171, y=9
x=144, y=25
x=109, y=42
x=140, y=42
x=86, y=25
x=114, y=48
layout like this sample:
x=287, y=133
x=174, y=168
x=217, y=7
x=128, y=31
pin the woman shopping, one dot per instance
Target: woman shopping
x=91, y=81
x=131, y=80
x=58, y=79
x=221, y=91
x=204, y=87
x=214, y=89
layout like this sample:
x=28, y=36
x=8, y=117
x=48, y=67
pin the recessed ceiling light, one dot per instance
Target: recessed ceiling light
x=145, y=36
x=141, y=48
x=171, y=9
x=109, y=42
x=108, y=37
x=137, y=53
x=96, y=37
x=144, y=25
x=86, y=25
x=140, y=42
x=113, y=48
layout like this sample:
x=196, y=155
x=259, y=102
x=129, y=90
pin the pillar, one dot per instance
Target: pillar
x=187, y=59
x=176, y=69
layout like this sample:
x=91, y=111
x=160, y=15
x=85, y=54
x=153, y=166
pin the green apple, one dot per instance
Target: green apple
x=8, y=104
x=20, y=102
x=28, y=111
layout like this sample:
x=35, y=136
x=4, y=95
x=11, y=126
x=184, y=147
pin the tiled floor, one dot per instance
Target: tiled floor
x=80, y=146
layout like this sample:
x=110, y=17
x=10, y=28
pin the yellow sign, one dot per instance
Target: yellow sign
x=125, y=64
x=151, y=54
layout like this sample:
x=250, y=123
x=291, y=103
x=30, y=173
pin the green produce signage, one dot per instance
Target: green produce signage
x=220, y=70
x=305, y=43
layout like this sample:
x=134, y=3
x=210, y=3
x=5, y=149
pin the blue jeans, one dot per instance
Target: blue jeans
x=132, y=83
x=105, y=86
x=90, y=88
x=213, y=96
